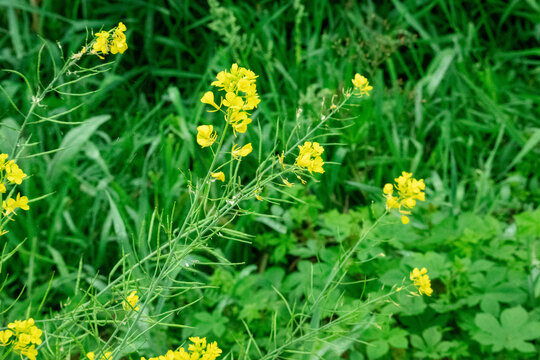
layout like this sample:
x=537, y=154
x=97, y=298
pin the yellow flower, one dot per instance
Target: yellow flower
x=131, y=303
x=219, y=176
x=3, y=158
x=205, y=137
x=251, y=102
x=14, y=174
x=310, y=157
x=118, y=42
x=106, y=356
x=212, y=352
x=409, y=190
x=208, y=98
x=233, y=101
x=198, y=344
x=239, y=121
x=11, y=205
x=361, y=84
x=2, y=188
x=4, y=337
x=30, y=352
x=26, y=336
x=102, y=42
x=421, y=281
x=243, y=151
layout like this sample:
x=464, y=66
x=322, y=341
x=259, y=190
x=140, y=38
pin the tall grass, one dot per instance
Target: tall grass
x=454, y=102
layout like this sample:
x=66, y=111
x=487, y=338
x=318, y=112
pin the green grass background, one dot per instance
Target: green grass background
x=455, y=101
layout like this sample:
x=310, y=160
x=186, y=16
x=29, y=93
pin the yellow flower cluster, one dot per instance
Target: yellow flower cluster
x=199, y=350
x=131, y=303
x=106, y=356
x=10, y=173
x=115, y=43
x=23, y=336
x=409, y=190
x=241, y=96
x=310, y=157
x=361, y=84
x=421, y=281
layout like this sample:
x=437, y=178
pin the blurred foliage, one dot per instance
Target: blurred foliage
x=455, y=101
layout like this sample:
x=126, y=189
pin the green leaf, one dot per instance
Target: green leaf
x=398, y=338
x=432, y=336
x=73, y=143
x=377, y=349
x=417, y=342
x=513, y=319
x=487, y=322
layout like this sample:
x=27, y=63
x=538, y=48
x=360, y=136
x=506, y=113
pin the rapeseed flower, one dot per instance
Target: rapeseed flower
x=105, y=356
x=206, y=135
x=14, y=174
x=101, y=45
x=421, y=281
x=208, y=98
x=310, y=157
x=23, y=335
x=118, y=42
x=199, y=350
x=241, y=96
x=131, y=303
x=243, y=151
x=11, y=205
x=409, y=190
x=218, y=176
x=5, y=336
x=105, y=43
x=361, y=84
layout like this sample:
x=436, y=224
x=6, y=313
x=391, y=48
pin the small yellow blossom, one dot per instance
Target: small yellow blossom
x=212, y=351
x=218, y=176
x=3, y=158
x=206, y=135
x=421, y=281
x=310, y=157
x=5, y=336
x=361, y=84
x=105, y=356
x=208, y=98
x=30, y=352
x=2, y=188
x=409, y=190
x=118, y=43
x=102, y=42
x=243, y=151
x=14, y=174
x=199, y=350
x=239, y=121
x=131, y=303
x=11, y=205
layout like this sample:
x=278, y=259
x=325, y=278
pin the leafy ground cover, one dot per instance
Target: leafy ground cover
x=454, y=101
